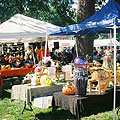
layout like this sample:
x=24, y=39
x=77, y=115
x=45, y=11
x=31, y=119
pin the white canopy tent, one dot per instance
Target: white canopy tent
x=20, y=28
x=105, y=42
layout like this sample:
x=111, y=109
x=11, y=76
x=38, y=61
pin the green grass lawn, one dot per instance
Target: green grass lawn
x=12, y=111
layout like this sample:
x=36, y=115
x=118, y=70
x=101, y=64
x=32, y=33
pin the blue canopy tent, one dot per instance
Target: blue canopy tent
x=105, y=20
x=101, y=21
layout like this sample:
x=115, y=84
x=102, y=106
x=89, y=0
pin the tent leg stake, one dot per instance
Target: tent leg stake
x=28, y=109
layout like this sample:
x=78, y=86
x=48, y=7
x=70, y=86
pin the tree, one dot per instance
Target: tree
x=58, y=12
x=85, y=9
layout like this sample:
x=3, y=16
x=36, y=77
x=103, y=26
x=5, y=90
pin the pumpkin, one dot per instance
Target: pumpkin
x=68, y=89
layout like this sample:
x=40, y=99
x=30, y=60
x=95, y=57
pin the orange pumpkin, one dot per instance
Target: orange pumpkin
x=68, y=89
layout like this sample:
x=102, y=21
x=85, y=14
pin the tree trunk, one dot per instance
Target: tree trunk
x=85, y=9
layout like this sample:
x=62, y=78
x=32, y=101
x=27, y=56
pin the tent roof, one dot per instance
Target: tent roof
x=101, y=21
x=20, y=26
x=105, y=42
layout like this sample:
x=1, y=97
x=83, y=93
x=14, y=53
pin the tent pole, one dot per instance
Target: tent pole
x=2, y=49
x=76, y=48
x=110, y=41
x=46, y=47
x=114, y=104
x=34, y=58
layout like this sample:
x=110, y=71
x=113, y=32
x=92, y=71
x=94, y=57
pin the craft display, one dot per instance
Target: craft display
x=38, y=79
x=33, y=79
x=98, y=75
x=108, y=60
x=3, y=67
x=45, y=80
x=38, y=69
x=81, y=76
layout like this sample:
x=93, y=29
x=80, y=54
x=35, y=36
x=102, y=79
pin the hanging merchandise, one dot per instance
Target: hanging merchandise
x=21, y=57
x=8, y=67
x=6, y=57
x=18, y=56
x=15, y=57
x=36, y=50
x=10, y=59
x=30, y=56
x=17, y=62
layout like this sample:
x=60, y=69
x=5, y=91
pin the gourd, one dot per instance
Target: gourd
x=68, y=89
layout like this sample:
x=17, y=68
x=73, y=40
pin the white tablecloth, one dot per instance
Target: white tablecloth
x=26, y=92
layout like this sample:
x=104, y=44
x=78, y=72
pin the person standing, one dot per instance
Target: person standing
x=41, y=53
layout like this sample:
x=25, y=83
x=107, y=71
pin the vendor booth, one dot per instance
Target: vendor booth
x=20, y=28
x=105, y=20
x=105, y=42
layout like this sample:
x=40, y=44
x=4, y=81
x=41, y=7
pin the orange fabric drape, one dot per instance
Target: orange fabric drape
x=15, y=72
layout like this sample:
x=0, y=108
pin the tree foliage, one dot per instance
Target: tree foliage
x=57, y=12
